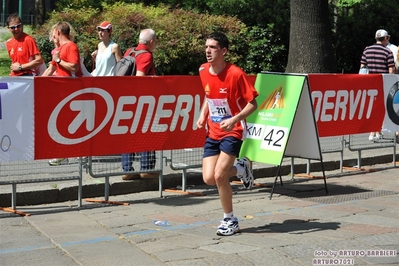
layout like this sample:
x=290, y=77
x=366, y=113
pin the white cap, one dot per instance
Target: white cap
x=381, y=33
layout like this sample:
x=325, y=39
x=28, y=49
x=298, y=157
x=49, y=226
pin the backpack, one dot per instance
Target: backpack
x=127, y=65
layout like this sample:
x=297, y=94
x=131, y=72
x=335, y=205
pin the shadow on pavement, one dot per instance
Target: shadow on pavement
x=293, y=226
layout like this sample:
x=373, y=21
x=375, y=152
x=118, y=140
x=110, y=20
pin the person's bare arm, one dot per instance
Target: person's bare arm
x=72, y=67
x=203, y=115
x=116, y=50
x=49, y=71
x=37, y=61
x=140, y=73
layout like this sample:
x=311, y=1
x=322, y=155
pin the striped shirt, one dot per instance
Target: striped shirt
x=378, y=58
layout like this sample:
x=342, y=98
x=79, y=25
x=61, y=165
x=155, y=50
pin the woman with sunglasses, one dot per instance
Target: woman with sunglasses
x=22, y=49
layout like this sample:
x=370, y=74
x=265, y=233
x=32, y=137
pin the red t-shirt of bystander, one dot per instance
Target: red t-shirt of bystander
x=144, y=61
x=69, y=52
x=22, y=51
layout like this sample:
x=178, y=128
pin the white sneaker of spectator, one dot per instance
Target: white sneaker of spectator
x=377, y=137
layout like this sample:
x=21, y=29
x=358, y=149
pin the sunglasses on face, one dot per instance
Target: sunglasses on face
x=102, y=30
x=16, y=26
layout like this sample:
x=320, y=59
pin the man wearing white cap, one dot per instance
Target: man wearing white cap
x=379, y=59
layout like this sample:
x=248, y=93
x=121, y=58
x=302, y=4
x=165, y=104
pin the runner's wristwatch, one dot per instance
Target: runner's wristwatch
x=58, y=60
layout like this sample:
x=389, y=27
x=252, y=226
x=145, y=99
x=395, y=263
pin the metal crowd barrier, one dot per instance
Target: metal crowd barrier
x=111, y=165
x=361, y=142
x=178, y=160
x=334, y=144
x=185, y=159
x=39, y=171
x=23, y=172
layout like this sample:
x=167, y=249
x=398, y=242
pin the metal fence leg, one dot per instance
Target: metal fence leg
x=161, y=174
x=184, y=179
x=106, y=183
x=292, y=168
x=80, y=182
x=80, y=193
x=14, y=197
x=359, y=159
x=341, y=162
x=160, y=185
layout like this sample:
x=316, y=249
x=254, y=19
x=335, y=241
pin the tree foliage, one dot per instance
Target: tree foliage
x=264, y=40
x=356, y=22
x=179, y=51
x=79, y=4
x=270, y=20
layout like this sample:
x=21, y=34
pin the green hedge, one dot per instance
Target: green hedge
x=181, y=34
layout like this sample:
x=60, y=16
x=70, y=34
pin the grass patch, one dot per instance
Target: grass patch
x=5, y=63
x=4, y=58
x=5, y=36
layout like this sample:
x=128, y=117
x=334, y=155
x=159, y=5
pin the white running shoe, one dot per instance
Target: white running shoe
x=58, y=161
x=377, y=137
x=247, y=177
x=228, y=227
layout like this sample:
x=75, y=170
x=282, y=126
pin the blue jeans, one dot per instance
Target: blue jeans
x=147, y=161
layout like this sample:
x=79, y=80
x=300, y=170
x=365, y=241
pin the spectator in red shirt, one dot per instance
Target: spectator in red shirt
x=22, y=49
x=145, y=66
x=65, y=62
x=66, y=58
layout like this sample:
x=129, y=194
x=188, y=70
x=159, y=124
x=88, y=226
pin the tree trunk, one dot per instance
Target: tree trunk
x=40, y=12
x=310, y=49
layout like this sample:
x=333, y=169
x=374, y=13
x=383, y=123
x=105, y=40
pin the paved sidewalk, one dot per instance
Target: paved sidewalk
x=357, y=222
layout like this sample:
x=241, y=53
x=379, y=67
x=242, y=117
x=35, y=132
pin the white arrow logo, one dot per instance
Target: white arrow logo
x=86, y=113
x=86, y=109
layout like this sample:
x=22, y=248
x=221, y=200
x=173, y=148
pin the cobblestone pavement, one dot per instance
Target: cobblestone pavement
x=356, y=223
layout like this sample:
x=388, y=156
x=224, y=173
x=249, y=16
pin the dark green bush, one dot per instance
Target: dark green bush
x=181, y=36
x=263, y=49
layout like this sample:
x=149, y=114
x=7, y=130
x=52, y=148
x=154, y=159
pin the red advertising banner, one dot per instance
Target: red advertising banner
x=347, y=103
x=113, y=115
